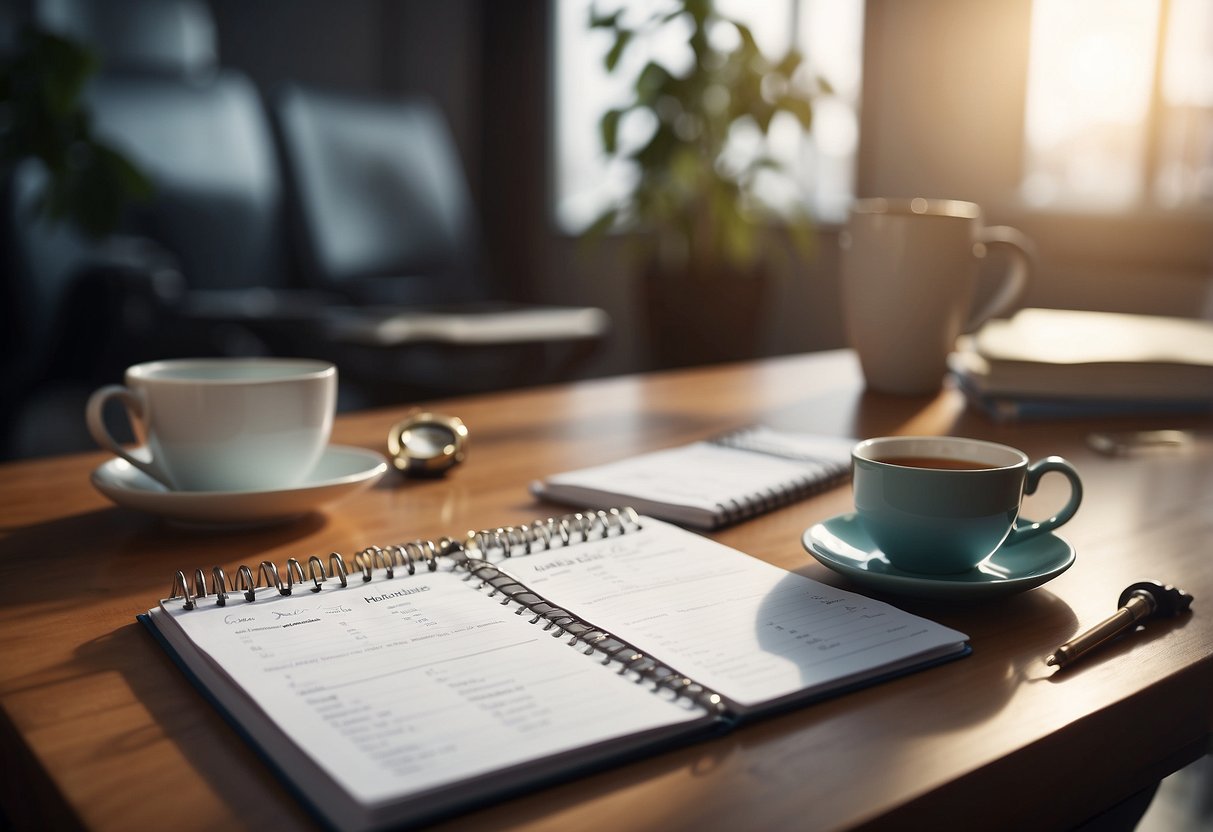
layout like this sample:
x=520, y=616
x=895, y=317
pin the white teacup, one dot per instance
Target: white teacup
x=909, y=275
x=223, y=424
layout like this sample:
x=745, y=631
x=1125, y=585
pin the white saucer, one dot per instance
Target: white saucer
x=842, y=545
x=341, y=471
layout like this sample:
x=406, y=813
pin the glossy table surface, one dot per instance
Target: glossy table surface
x=99, y=728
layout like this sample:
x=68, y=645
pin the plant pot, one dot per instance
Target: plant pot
x=704, y=317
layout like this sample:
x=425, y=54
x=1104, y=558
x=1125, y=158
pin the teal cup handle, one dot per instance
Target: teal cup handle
x=1024, y=528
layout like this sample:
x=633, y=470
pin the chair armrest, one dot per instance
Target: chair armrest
x=126, y=268
x=470, y=327
x=115, y=303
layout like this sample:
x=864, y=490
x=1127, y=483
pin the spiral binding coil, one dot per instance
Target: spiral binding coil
x=596, y=641
x=409, y=555
x=553, y=533
x=826, y=474
x=504, y=542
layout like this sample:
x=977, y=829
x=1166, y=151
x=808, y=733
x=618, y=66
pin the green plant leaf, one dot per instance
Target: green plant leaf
x=685, y=171
x=790, y=62
x=652, y=82
x=128, y=178
x=749, y=46
x=604, y=223
x=604, y=21
x=622, y=38
x=99, y=185
x=763, y=112
x=63, y=66
x=609, y=130
x=654, y=156
x=699, y=10
x=801, y=108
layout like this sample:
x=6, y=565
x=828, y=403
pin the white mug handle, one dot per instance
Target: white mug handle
x=135, y=408
x=1022, y=254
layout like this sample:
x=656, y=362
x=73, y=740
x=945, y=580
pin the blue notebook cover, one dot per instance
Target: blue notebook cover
x=1007, y=408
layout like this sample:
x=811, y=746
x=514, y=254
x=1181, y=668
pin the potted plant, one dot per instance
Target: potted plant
x=88, y=183
x=705, y=236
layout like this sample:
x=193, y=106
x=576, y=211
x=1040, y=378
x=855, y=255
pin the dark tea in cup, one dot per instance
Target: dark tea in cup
x=937, y=462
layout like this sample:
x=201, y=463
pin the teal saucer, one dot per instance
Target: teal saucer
x=842, y=545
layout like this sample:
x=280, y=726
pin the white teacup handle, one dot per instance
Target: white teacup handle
x=135, y=407
x=1022, y=254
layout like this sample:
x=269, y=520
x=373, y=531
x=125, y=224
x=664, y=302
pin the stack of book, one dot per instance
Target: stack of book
x=1051, y=363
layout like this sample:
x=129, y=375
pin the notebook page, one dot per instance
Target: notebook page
x=397, y=686
x=701, y=475
x=743, y=627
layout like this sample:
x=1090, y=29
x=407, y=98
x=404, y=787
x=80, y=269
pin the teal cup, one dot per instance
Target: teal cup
x=941, y=504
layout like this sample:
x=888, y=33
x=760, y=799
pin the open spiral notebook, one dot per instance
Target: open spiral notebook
x=429, y=677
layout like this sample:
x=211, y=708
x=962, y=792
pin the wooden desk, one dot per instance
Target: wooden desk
x=99, y=727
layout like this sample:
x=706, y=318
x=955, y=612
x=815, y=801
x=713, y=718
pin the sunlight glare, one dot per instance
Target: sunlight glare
x=1188, y=68
x=1089, y=81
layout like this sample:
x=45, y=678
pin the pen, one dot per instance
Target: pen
x=1139, y=601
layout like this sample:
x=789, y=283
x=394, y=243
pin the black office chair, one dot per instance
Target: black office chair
x=200, y=132
x=383, y=208
x=86, y=309
x=204, y=267
x=383, y=215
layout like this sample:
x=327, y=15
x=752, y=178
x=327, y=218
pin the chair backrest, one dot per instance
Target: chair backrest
x=383, y=208
x=209, y=151
x=201, y=133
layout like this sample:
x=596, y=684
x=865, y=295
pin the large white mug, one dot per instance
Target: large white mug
x=223, y=424
x=909, y=277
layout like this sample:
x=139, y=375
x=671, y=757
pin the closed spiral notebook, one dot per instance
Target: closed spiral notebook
x=711, y=483
x=421, y=679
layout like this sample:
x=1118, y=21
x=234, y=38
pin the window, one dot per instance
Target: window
x=1120, y=104
x=1184, y=172
x=828, y=32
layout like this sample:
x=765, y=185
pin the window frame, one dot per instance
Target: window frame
x=985, y=62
